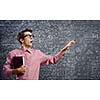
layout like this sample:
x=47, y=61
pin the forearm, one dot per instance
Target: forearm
x=53, y=59
x=64, y=49
x=48, y=59
x=7, y=71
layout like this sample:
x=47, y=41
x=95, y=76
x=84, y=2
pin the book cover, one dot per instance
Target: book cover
x=17, y=61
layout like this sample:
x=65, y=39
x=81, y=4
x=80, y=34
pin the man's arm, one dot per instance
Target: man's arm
x=8, y=71
x=63, y=50
x=47, y=59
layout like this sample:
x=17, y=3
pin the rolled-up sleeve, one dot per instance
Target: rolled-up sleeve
x=48, y=59
x=7, y=71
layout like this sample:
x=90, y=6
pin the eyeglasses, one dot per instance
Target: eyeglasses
x=29, y=36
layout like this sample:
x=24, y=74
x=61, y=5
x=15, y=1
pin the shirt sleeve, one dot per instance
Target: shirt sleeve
x=7, y=71
x=48, y=59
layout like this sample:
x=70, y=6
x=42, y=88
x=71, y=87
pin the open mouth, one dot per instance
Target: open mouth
x=31, y=41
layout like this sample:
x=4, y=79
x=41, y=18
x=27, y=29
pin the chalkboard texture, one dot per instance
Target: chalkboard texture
x=81, y=62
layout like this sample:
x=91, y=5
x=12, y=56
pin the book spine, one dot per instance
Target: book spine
x=23, y=60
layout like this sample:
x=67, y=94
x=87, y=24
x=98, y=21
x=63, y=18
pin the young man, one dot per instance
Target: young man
x=33, y=58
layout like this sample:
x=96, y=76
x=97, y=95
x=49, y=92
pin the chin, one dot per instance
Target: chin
x=30, y=45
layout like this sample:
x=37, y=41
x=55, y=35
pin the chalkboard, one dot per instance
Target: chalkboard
x=81, y=62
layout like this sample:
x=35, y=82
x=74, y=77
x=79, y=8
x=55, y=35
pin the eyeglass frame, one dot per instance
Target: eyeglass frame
x=28, y=35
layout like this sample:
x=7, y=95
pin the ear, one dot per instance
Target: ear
x=22, y=40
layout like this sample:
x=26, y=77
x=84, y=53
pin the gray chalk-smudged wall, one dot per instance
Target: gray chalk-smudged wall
x=81, y=62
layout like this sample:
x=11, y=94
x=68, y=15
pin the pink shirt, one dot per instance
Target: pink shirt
x=33, y=60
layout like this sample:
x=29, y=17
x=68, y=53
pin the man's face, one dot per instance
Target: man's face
x=28, y=39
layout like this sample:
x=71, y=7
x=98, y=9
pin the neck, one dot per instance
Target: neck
x=25, y=47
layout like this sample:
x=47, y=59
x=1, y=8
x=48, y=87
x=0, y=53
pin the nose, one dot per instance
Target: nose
x=31, y=37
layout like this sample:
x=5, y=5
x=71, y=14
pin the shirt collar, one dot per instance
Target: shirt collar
x=29, y=50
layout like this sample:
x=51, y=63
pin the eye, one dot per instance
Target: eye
x=28, y=35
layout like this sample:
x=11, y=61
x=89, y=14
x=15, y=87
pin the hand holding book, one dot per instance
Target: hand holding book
x=17, y=61
x=18, y=65
x=19, y=71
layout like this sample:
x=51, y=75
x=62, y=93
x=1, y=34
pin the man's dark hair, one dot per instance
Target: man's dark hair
x=21, y=34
